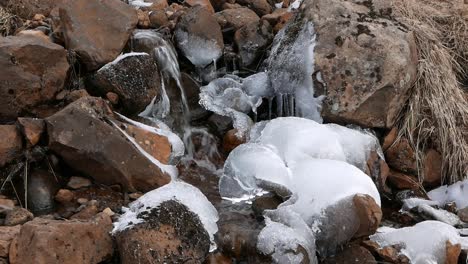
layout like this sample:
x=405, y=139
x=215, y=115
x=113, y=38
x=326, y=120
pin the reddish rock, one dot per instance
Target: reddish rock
x=34, y=33
x=352, y=254
x=236, y=18
x=32, y=129
x=76, y=94
x=218, y=258
x=86, y=213
x=401, y=156
x=113, y=98
x=378, y=170
x=432, y=168
x=369, y=214
x=403, y=181
x=26, y=9
x=158, y=5
x=282, y=21
x=85, y=135
x=390, y=138
x=252, y=41
x=156, y=145
x=96, y=30
x=231, y=141
x=158, y=19
x=389, y=253
x=6, y=205
x=44, y=241
x=261, y=7
x=143, y=19
x=64, y=196
x=7, y=234
x=452, y=252
x=78, y=182
x=33, y=71
x=10, y=143
x=18, y=216
x=204, y=3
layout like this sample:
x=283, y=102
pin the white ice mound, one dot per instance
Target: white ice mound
x=199, y=51
x=423, y=243
x=457, y=192
x=182, y=192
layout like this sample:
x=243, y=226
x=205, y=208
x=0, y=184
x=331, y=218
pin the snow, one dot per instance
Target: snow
x=199, y=51
x=139, y=3
x=179, y=191
x=122, y=57
x=423, y=243
x=457, y=192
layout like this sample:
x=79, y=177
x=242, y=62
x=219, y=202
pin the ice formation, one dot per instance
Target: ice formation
x=457, y=192
x=199, y=51
x=179, y=191
x=423, y=243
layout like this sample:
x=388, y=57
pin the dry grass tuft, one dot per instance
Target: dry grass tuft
x=8, y=22
x=437, y=111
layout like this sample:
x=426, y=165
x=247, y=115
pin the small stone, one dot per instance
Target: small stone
x=86, y=213
x=400, y=156
x=76, y=94
x=64, y=196
x=390, y=138
x=369, y=213
x=18, y=216
x=108, y=211
x=112, y=97
x=32, y=129
x=158, y=19
x=463, y=214
x=135, y=195
x=143, y=19
x=82, y=200
x=78, y=182
x=231, y=141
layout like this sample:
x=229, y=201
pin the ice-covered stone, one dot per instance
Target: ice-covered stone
x=457, y=192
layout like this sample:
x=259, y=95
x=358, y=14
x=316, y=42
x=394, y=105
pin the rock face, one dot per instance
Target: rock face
x=199, y=36
x=44, y=241
x=366, y=58
x=84, y=136
x=96, y=30
x=171, y=234
x=252, y=41
x=33, y=71
x=10, y=143
x=134, y=78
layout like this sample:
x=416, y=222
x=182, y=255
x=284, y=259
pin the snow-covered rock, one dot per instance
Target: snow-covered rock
x=457, y=192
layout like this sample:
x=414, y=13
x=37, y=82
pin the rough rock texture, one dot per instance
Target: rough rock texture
x=170, y=234
x=366, y=58
x=463, y=214
x=10, y=143
x=76, y=182
x=252, y=41
x=135, y=79
x=26, y=9
x=96, y=30
x=32, y=129
x=7, y=234
x=82, y=135
x=17, y=216
x=33, y=70
x=44, y=241
x=369, y=214
x=236, y=18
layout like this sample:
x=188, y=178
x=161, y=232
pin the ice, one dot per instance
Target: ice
x=423, y=243
x=438, y=214
x=182, y=192
x=411, y=203
x=122, y=57
x=457, y=192
x=139, y=3
x=199, y=51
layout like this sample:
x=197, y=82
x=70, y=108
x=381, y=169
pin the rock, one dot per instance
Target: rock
x=7, y=234
x=252, y=41
x=33, y=71
x=369, y=214
x=82, y=200
x=367, y=59
x=18, y=216
x=113, y=98
x=401, y=156
x=108, y=211
x=64, y=196
x=261, y=7
x=452, y=252
x=388, y=253
x=199, y=36
x=97, y=37
x=158, y=5
x=134, y=78
x=143, y=19
x=78, y=182
x=192, y=91
x=231, y=141
x=155, y=145
x=390, y=138
x=378, y=170
x=218, y=258
x=463, y=214
x=42, y=187
x=6, y=205
x=170, y=233
x=432, y=168
x=278, y=18
x=158, y=18
x=32, y=129
x=403, y=181
x=10, y=144
x=86, y=213
x=236, y=18
x=44, y=241
x=135, y=195
x=34, y=33
x=351, y=254
x=26, y=9
x=203, y=3
x=80, y=135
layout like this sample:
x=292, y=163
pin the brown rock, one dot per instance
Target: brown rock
x=113, y=98
x=7, y=234
x=231, y=141
x=282, y=21
x=274, y=17
x=218, y=258
x=463, y=214
x=32, y=129
x=369, y=214
x=403, y=181
x=33, y=71
x=158, y=18
x=433, y=168
x=10, y=143
x=352, y=254
x=261, y=7
x=400, y=156
x=96, y=30
x=388, y=253
x=34, y=33
x=156, y=145
x=452, y=253
x=143, y=19
x=44, y=241
x=80, y=135
x=64, y=196
x=170, y=232
x=204, y=3
x=26, y=9
x=18, y=216
x=367, y=59
x=390, y=138
x=236, y=18
x=76, y=182
x=76, y=94
x=252, y=40
x=86, y=213
x=378, y=170
x=158, y=5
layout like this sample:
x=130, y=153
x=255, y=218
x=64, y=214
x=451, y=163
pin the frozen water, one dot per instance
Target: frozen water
x=457, y=192
x=139, y=3
x=411, y=203
x=423, y=243
x=199, y=51
x=179, y=191
x=438, y=214
x=122, y=57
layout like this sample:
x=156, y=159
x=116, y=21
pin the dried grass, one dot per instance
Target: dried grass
x=8, y=22
x=437, y=111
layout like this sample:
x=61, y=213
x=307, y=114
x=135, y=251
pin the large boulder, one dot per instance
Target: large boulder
x=96, y=30
x=33, y=70
x=366, y=58
x=44, y=241
x=133, y=77
x=87, y=136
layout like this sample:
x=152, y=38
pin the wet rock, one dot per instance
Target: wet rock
x=192, y=90
x=170, y=233
x=401, y=156
x=97, y=37
x=78, y=182
x=199, y=36
x=261, y=7
x=32, y=129
x=134, y=78
x=252, y=41
x=7, y=234
x=33, y=71
x=265, y=202
x=18, y=216
x=236, y=18
x=366, y=58
x=452, y=253
x=10, y=144
x=26, y=9
x=155, y=145
x=64, y=196
x=158, y=18
x=86, y=136
x=278, y=18
x=403, y=181
x=231, y=141
x=432, y=168
x=204, y=3
x=352, y=254
x=42, y=187
x=44, y=241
